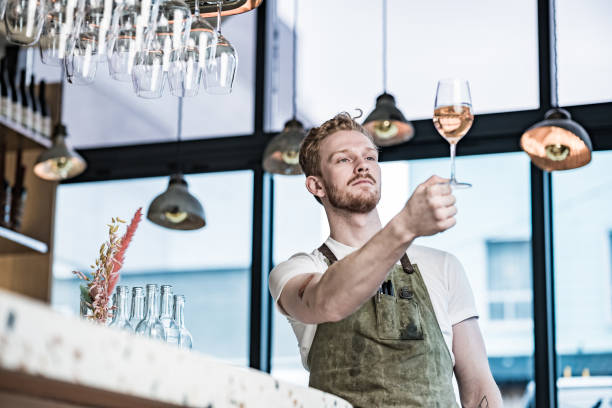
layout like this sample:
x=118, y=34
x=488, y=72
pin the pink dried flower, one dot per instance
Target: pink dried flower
x=106, y=269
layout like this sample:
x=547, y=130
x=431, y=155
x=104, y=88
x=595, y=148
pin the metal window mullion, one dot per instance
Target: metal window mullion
x=545, y=372
x=260, y=305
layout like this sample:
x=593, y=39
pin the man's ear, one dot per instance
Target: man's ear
x=315, y=185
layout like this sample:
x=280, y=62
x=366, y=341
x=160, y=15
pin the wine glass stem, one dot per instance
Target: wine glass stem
x=452, y=154
x=219, y=5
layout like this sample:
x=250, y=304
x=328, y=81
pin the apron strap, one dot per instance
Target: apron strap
x=406, y=264
x=324, y=249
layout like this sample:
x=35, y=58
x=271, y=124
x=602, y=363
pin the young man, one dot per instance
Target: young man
x=380, y=321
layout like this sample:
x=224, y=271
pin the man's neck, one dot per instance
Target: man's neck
x=352, y=229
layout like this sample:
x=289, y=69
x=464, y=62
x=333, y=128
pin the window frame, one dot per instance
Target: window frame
x=492, y=133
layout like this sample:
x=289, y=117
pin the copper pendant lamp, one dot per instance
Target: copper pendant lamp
x=60, y=161
x=386, y=123
x=557, y=142
x=176, y=208
x=230, y=7
x=281, y=155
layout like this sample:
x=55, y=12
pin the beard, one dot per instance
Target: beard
x=361, y=203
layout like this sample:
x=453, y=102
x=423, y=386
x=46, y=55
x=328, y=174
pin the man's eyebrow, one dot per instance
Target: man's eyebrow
x=348, y=151
x=337, y=152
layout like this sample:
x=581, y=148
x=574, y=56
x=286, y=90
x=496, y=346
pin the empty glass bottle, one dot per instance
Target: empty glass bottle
x=170, y=328
x=185, y=339
x=137, y=312
x=121, y=317
x=150, y=326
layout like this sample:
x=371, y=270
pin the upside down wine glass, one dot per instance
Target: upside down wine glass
x=453, y=117
x=222, y=63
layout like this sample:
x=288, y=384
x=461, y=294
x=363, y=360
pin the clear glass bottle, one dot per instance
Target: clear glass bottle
x=33, y=103
x=170, y=328
x=44, y=126
x=150, y=326
x=26, y=112
x=137, y=312
x=121, y=316
x=185, y=339
x=5, y=99
x=15, y=114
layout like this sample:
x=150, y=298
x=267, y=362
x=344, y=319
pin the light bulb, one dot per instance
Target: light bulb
x=557, y=152
x=175, y=216
x=385, y=129
x=291, y=157
x=61, y=166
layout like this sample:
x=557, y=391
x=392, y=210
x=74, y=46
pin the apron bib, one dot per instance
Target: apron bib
x=388, y=353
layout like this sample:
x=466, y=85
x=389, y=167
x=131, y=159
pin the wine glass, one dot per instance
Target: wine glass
x=187, y=66
x=81, y=64
x=24, y=20
x=57, y=33
x=221, y=68
x=124, y=41
x=453, y=117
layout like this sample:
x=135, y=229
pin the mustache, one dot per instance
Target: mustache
x=357, y=177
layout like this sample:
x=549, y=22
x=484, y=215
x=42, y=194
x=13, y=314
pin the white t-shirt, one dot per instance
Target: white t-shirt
x=443, y=274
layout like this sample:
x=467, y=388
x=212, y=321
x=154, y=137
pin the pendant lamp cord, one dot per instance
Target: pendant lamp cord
x=555, y=96
x=179, y=131
x=295, y=18
x=384, y=47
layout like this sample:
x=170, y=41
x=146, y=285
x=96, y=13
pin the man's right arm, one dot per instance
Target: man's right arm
x=315, y=298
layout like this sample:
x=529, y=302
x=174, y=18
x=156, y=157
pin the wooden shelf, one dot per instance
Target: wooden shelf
x=12, y=242
x=15, y=134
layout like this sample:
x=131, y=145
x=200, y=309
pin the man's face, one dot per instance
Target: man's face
x=350, y=171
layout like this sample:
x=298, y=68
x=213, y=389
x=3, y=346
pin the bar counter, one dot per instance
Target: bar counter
x=49, y=360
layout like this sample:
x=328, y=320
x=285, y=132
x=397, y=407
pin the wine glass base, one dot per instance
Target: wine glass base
x=459, y=185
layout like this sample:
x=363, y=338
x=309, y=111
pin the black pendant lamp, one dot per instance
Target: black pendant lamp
x=281, y=155
x=557, y=142
x=387, y=125
x=176, y=208
x=60, y=161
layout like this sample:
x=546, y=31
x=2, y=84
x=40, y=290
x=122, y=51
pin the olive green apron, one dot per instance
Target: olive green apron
x=389, y=353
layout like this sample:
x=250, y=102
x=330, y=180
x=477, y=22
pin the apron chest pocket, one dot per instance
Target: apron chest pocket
x=397, y=318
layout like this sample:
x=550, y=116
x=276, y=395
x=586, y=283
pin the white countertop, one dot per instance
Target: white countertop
x=38, y=342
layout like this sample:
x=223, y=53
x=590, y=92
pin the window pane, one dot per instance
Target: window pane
x=108, y=112
x=523, y=310
x=509, y=265
x=496, y=209
x=584, y=51
x=340, y=64
x=583, y=281
x=210, y=266
x=299, y=226
x=496, y=311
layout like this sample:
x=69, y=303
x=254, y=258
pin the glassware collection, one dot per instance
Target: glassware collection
x=160, y=316
x=148, y=42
